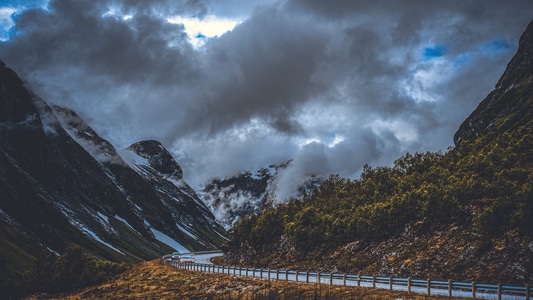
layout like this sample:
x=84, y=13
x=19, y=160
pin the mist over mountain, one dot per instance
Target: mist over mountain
x=465, y=214
x=250, y=192
x=324, y=84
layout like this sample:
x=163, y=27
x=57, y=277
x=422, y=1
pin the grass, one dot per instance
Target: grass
x=152, y=280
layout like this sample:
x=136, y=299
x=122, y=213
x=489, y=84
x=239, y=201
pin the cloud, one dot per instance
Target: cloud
x=199, y=30
x=386, y=76
x=5, y=21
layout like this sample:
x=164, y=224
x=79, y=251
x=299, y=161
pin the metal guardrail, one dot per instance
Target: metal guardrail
x=411, y=285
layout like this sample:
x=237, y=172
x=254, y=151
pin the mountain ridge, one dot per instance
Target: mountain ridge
x=62, y=184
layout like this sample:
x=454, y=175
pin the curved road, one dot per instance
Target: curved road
x=205, y=258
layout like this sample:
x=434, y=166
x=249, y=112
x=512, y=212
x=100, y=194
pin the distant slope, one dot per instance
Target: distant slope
x=62, y=184
x=249, y=192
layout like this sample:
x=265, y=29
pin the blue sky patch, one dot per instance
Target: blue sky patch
x=24, y=3
x=496, y=47
x=434, y=52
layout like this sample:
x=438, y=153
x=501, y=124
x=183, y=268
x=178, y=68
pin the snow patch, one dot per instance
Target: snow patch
x=104, y=217
x=91, y=233
x=187, y=232
x=135, y=161
x=165, y=239
x=52, y=251
x=126, y=222
x=222, y=235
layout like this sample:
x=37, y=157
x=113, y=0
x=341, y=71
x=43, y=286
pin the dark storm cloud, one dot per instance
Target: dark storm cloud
x=102, y=61
x=162, y=7
x=330, y=84
x=74, y=34
x=261, y=69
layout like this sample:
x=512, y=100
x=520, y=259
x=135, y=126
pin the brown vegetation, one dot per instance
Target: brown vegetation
x=152, y=280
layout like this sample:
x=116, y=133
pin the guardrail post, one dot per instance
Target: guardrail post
x=408, y=285
x=527, y=291
x=307, y=277
x=268, y=274
x=499, y=291
x=358, y=280
x=318, y=277
x=330, y=278
x=286, y=275
x=344, y=279
x=390, y=283
x=428, y=283
x=450, y=288
x=374, y=281
x=296, y=275
x=261, y=273
x=474, y=289
x=277, y=274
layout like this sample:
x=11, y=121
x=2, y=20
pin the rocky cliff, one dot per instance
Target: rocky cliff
x=62, y=184
x=510, y=104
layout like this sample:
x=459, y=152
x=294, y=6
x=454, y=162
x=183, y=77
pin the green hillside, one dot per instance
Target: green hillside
x=465, y=214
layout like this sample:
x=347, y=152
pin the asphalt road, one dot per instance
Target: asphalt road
x=205, y=258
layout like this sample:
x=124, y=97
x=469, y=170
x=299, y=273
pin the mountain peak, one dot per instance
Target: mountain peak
x=510, y=103
x=158, y=157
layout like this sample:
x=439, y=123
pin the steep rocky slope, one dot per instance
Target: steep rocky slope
x=510, y=104
x=62, y=184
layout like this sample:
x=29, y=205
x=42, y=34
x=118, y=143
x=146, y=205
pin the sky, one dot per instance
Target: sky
x=236, y=85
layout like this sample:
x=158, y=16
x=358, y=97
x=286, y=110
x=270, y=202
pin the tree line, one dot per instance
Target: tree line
x=491, y=175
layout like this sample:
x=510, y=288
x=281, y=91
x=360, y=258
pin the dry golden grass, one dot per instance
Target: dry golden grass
x=152, y=280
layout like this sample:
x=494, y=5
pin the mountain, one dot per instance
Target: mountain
x=249, y=193
x=510, y=104
x=62, y=184
x=237, y=196
x=464, y=215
